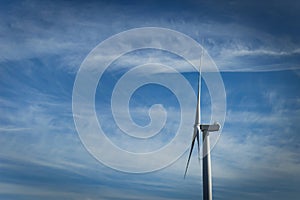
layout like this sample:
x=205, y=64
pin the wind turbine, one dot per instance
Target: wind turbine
x=205, y=129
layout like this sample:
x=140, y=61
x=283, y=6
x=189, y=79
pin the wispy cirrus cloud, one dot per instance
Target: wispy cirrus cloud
x=42, y=47
x=40, y=35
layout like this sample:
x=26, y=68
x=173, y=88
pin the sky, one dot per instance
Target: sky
x=46, y=45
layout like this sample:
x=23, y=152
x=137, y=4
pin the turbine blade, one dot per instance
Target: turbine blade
x=192, y=146
x=198, y=142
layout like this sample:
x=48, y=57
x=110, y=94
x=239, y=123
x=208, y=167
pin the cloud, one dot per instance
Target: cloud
x=245, y=52
x=41, y=153
x=71, y=35
x=259, y=142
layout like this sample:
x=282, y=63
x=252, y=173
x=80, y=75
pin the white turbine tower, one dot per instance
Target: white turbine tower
x=205, y=129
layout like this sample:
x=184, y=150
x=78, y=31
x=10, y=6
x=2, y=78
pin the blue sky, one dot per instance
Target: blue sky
x=256, y=46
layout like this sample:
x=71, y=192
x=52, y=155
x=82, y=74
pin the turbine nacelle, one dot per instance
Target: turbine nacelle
x=210, y=128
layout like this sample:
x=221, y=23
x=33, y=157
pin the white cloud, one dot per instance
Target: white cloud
x=72, y=35
x=257, y=154
x=54, y=142
x=260, y=52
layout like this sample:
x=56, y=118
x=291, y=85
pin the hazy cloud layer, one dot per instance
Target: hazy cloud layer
x=42, y=45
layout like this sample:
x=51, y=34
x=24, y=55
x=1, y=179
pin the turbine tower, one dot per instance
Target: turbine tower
x=205, y=129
